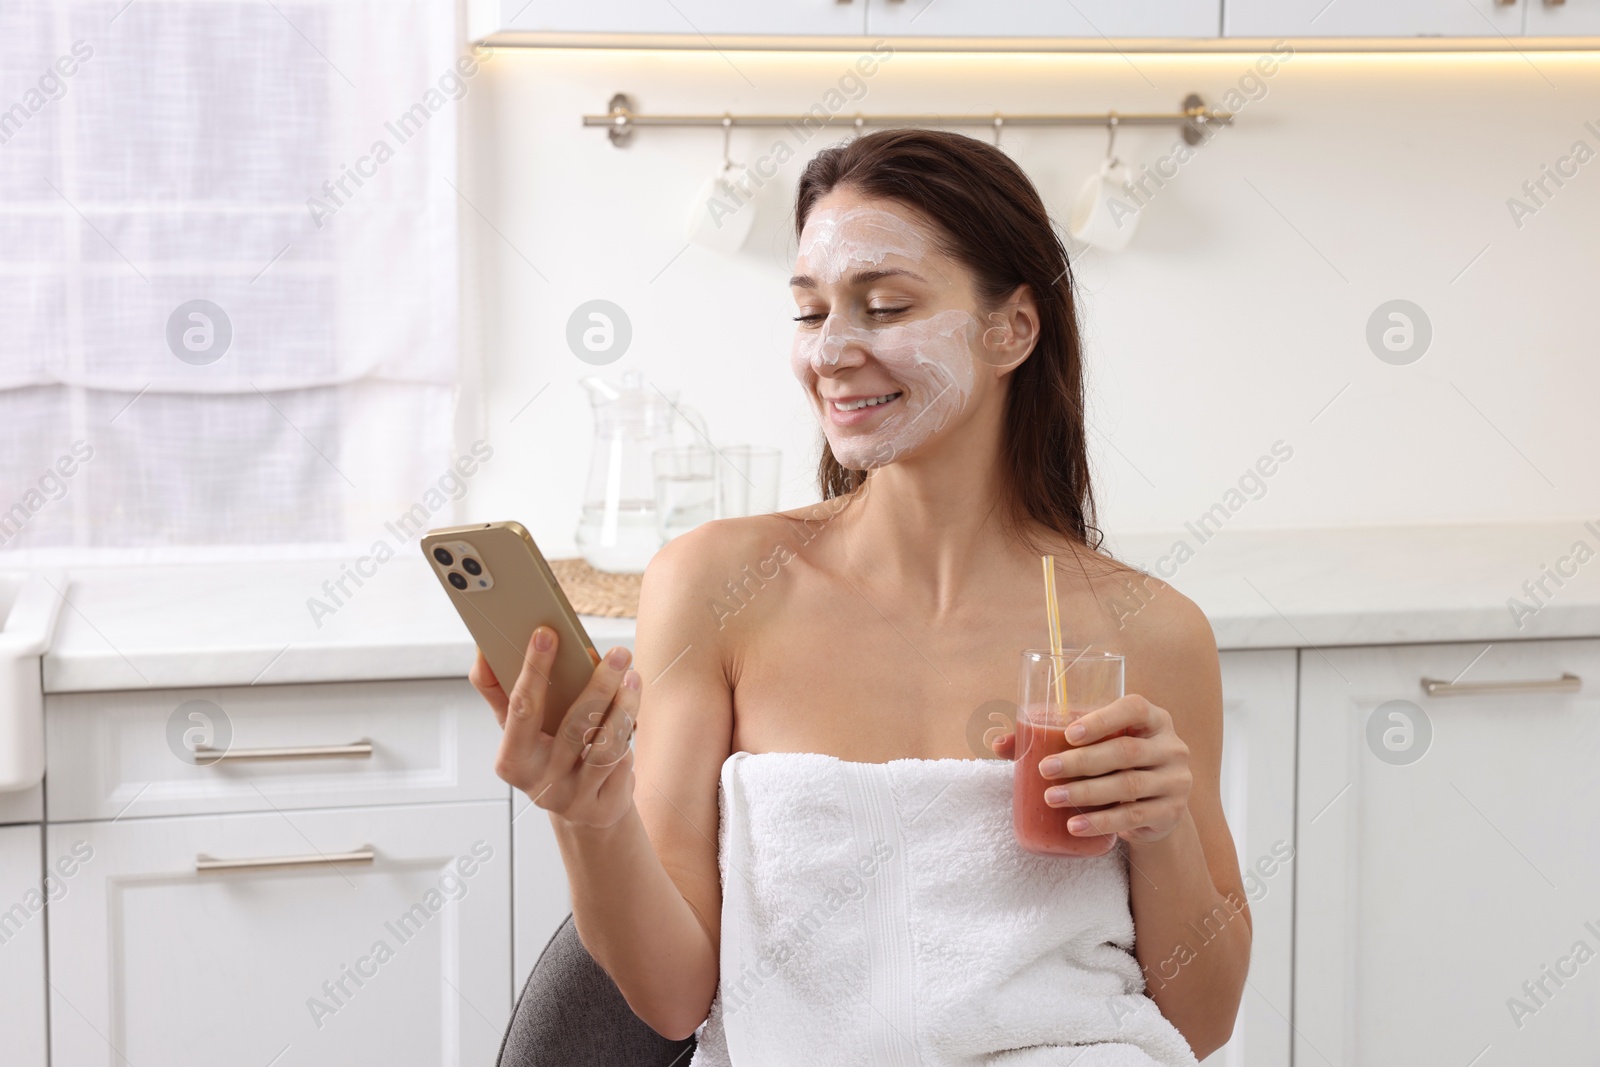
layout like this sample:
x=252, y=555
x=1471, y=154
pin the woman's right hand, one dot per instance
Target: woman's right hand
x=585, y=772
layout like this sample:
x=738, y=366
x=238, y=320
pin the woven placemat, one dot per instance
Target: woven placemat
x=592, y=592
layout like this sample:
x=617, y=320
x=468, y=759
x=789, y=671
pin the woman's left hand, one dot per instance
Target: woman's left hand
x=1143, y=773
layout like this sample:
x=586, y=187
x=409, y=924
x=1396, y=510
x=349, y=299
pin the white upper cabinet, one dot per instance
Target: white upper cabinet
x=1082, y=19
x=692, y=17
x=1565, y=18
x=1045, y=18
x=1373, y=18
x=1446, y=898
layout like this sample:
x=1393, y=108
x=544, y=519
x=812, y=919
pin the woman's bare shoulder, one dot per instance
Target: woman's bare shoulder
x=716, y=547
x=727, y=545
x=691, y=575
x=1139, y=612
x=1159, y=621
x=1171, y=648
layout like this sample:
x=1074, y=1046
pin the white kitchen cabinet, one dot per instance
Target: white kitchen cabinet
x=1044, y=18
x=1373, y=18
x=22, y=805
x=691, y=17
x=22, y=924
x=1569, y=18
x=538, y=884
x=539, y=893
x=1258, y=738
x=1447, y=856
x=110, y=753
x=1085, y=19
x=398, y=959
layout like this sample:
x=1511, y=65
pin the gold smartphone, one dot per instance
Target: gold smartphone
x=503, y=590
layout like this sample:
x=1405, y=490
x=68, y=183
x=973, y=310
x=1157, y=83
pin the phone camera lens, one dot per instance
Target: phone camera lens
x=457, y=581
x=443, y=555
x=471, y=566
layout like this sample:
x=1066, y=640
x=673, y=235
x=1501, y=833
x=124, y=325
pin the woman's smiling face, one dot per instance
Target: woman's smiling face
x=887, y=343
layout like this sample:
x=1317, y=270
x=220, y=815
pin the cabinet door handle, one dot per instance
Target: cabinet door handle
x=1567, y=683
x=354, y=750
x=203, y=862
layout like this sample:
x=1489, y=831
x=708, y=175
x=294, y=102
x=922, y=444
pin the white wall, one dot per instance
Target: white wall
x=1234, y=318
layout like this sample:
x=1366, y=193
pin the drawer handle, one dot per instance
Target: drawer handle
x=203, y=862
x=1567, y=683
x=355, y=750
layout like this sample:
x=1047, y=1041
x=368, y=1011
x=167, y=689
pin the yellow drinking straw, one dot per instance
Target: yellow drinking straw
x=1053, y=616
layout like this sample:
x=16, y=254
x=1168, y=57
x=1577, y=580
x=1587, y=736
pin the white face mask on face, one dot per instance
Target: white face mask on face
x=931, y=359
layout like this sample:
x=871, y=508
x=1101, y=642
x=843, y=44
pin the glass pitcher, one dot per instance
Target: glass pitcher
x=632, y=419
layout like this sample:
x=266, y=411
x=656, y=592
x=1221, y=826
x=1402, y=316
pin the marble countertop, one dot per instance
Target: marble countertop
x=212, y=624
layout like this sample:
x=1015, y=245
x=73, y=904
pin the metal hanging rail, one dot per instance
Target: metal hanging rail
x=1194, y=119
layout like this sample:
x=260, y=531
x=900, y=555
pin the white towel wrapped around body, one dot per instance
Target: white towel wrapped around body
x=883, y=914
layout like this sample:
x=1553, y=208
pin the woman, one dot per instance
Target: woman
x=936, y=341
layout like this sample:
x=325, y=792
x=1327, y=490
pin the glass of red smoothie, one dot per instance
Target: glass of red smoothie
x=1053, y=689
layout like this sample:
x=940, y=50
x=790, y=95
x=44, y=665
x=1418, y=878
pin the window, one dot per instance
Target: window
x=228, y=281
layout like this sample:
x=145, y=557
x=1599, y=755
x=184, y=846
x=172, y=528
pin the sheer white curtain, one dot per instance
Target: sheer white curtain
x=228, y=279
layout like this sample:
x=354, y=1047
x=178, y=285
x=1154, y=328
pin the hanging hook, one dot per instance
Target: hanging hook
x=727, y=138
x=999, y=121
x=1112, y=121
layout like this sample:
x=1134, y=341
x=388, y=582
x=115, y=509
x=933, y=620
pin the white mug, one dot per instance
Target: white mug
x=723, y=213
x=1103, y=215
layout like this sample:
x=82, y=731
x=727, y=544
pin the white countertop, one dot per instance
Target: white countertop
x=1382, y=585
x=207, y=624
x=170, y=626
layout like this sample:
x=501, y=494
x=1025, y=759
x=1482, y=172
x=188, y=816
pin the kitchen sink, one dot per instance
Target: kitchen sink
x=29, y=607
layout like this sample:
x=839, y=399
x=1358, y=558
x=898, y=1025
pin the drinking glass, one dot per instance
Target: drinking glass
x=686, y=489
x=1053, y=690
x=749, y=478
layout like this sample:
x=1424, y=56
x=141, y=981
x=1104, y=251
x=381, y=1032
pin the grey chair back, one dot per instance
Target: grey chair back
x=571, y=1014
